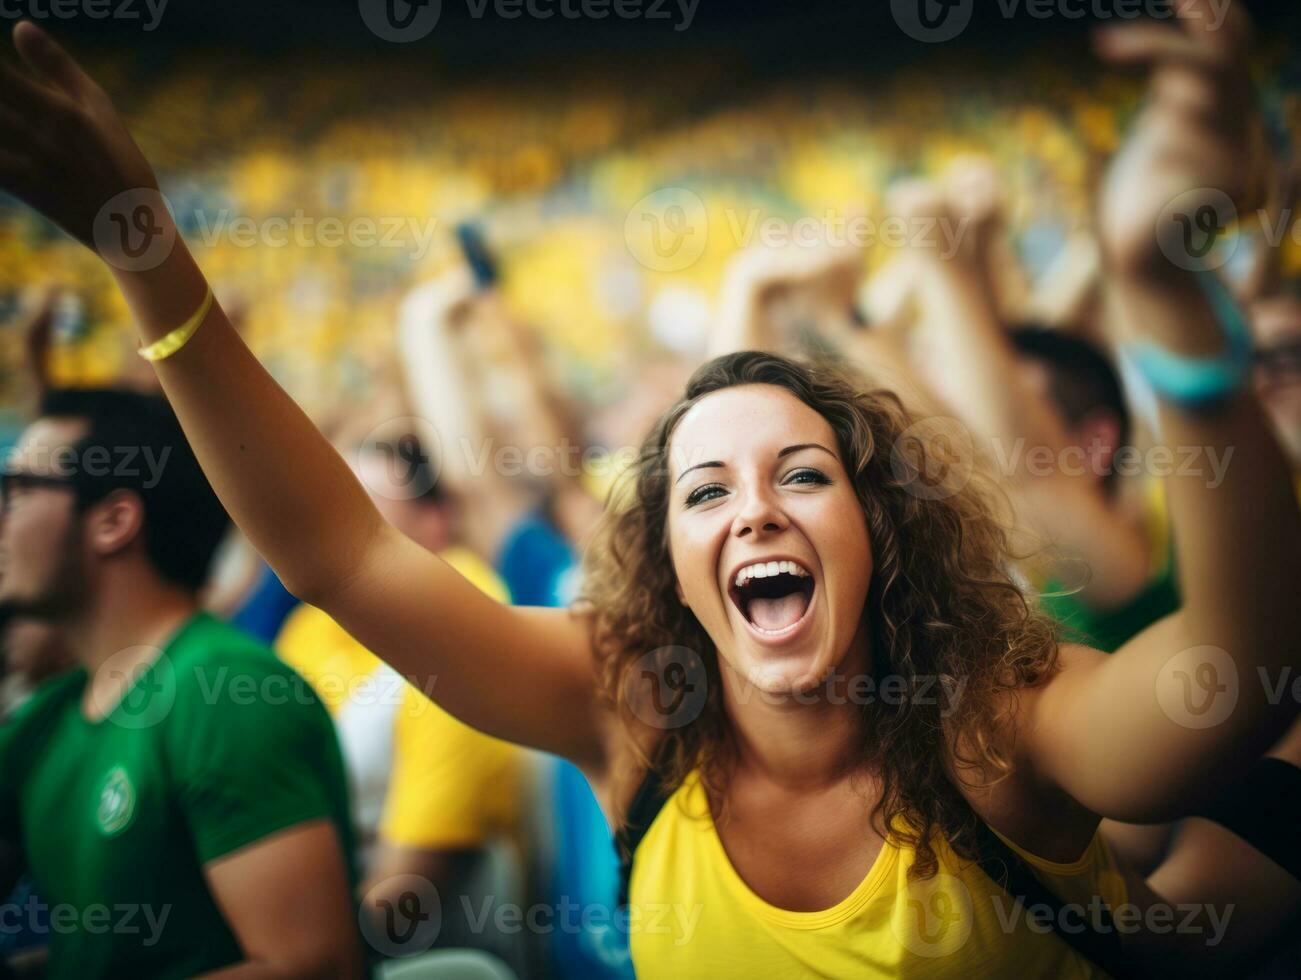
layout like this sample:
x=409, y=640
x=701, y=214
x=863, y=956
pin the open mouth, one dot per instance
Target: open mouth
x=773, y=596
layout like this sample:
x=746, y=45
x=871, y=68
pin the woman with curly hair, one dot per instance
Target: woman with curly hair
x=816, y=660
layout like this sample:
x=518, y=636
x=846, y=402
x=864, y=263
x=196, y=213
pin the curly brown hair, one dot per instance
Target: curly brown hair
x=942, y=603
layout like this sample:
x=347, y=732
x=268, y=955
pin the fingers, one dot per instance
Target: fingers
x=1151, y=43
x=973, y=188
x=916, y=198
x=11, y=120
x=1221, y=22
x=23, y=103
x=1205, y=34
x=761, y=267
x=1197, y=62
x=48, y=61
x=19, y=94
x=15, y=171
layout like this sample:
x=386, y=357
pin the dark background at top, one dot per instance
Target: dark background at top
x=781, y=34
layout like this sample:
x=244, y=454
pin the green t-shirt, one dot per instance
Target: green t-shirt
x=1108, y=630
x=216, y=745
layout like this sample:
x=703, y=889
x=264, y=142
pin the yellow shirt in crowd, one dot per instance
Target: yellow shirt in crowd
x=420, y=778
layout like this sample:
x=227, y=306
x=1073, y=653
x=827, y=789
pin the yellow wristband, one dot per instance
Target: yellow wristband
x=168, y=345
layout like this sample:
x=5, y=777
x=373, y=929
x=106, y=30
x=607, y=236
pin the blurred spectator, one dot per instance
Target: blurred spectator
x=141, y=780
x=518, y=448
x=430, y=794
x=1080, y=382
x=31, y=653
x=533, y=523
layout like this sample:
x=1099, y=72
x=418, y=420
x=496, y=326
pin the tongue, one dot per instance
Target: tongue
x=776, y=614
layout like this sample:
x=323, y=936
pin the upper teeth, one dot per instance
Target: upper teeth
x=763, y=569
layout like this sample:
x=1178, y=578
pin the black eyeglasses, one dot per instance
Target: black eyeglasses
x=11, y=480
x=1280, y=361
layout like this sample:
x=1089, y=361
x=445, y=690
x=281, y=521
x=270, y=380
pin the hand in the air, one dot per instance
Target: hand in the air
x=64, y=150
x=1195, y=158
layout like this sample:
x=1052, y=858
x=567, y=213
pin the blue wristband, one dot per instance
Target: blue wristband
x=1199, y=382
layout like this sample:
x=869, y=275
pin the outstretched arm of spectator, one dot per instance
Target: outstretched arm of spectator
x=972, y=367
x=818, y=280
x=440, y=378
x=1131, y=736
x=36, y=327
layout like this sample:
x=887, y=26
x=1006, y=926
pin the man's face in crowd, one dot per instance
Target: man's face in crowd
x=42, y=562
x=1097, y=434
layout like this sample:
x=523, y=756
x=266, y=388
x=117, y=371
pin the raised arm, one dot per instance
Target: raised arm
x=446, y=382
x=522, y=675
x=1185, y=706
x=36, y=325
x=768, y=291
x=440, y=384
x=973, y=368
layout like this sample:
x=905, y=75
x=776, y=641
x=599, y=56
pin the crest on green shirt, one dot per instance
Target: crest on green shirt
x=117, y=802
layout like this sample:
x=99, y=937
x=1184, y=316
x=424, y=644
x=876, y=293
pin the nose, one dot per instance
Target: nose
x=759, y=514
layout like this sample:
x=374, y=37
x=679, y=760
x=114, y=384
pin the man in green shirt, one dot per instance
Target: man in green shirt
x=179, y=799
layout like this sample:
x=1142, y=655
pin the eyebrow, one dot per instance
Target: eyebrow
x=718, y=464
x=804, y=445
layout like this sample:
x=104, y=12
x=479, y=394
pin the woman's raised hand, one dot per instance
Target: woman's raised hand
x=65, y=152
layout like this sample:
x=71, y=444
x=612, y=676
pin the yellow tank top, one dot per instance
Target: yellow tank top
x=692, y=916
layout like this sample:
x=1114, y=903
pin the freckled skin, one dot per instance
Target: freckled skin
x=757, y=504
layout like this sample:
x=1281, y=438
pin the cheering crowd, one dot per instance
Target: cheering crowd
x=913, y=635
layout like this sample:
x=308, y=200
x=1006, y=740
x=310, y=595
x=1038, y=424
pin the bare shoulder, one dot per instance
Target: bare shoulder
x=1077, y=655
x=1020, y=801
x=1037, y=709
x=1075, y=663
